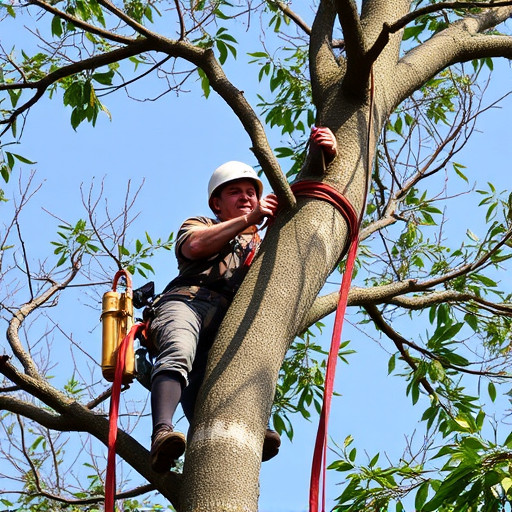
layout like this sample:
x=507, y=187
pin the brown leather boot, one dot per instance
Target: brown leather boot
x=167, y=447
x=271, y=445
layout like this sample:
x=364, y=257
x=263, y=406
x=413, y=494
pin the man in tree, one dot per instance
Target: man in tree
x=213, y=257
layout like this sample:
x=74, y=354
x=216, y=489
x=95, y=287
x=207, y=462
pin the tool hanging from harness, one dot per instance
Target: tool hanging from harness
x=117, y=363
x=117, y=320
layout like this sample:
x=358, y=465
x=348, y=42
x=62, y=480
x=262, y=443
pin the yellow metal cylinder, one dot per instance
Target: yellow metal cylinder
x=117, y=320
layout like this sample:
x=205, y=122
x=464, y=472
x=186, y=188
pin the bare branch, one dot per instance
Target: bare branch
x=96, y=61
x=181, y=18
x=481, y=262
x=77, y=22
x=21, y=314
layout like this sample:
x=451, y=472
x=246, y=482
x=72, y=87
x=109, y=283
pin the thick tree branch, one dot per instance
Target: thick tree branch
x=357, y=77
x=325, y=71
x=392, y=28
x=460, y=42
x=357, y=296
x=35, y=386
x=450, y=296
x=35, y=413
x=75, y=417
x=250, y=121
x=395, y=294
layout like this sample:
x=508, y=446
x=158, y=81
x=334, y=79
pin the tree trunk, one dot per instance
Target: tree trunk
x=299, y=252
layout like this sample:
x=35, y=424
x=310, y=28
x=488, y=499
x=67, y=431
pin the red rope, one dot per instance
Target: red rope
x=123, y=273
x=110, y=479
x=325, y=192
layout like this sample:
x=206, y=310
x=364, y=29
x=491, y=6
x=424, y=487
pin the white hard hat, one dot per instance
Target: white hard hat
x=231, y=171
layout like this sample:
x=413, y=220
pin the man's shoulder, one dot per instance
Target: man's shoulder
x=197, y=221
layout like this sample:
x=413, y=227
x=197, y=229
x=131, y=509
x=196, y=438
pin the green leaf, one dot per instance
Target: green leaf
x=57, y=26
x=491, y=388
x=104, y=78
x=5, y=172
x=413, y=32
x=340, y=465
x=487, y=281
x=223, y=51
x=62, y=260
x=472, y=321
x=205, y=83
x=457, y=168
x=391, y=364
x=421, y=495
x=23, y=159
x=124, y=251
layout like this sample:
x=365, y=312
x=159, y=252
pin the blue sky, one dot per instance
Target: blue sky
x=174, y=145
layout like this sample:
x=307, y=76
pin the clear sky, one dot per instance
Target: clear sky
x=173, y=145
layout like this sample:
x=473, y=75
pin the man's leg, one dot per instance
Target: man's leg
x=166, y=445
x=174, y=331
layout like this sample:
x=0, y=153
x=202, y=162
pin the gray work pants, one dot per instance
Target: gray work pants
x=182, y=331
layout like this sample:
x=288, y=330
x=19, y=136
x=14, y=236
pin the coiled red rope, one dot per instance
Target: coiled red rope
x=325, y=192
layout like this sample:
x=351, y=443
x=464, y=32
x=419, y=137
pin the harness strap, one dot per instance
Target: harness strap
x=110, y=479
x=325, y=192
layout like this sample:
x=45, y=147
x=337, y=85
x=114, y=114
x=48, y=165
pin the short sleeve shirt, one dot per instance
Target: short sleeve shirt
x=222, y=272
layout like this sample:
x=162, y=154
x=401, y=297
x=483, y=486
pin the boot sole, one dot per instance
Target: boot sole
x=168, y=452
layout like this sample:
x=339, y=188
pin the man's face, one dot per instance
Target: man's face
x=235, y=199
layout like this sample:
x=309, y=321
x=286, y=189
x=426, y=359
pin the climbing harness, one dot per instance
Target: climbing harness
x=118, y=365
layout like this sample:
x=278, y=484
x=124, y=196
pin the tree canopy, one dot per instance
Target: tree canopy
x=402, y=85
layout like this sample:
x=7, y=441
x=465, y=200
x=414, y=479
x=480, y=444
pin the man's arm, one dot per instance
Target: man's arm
x=204, y=242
